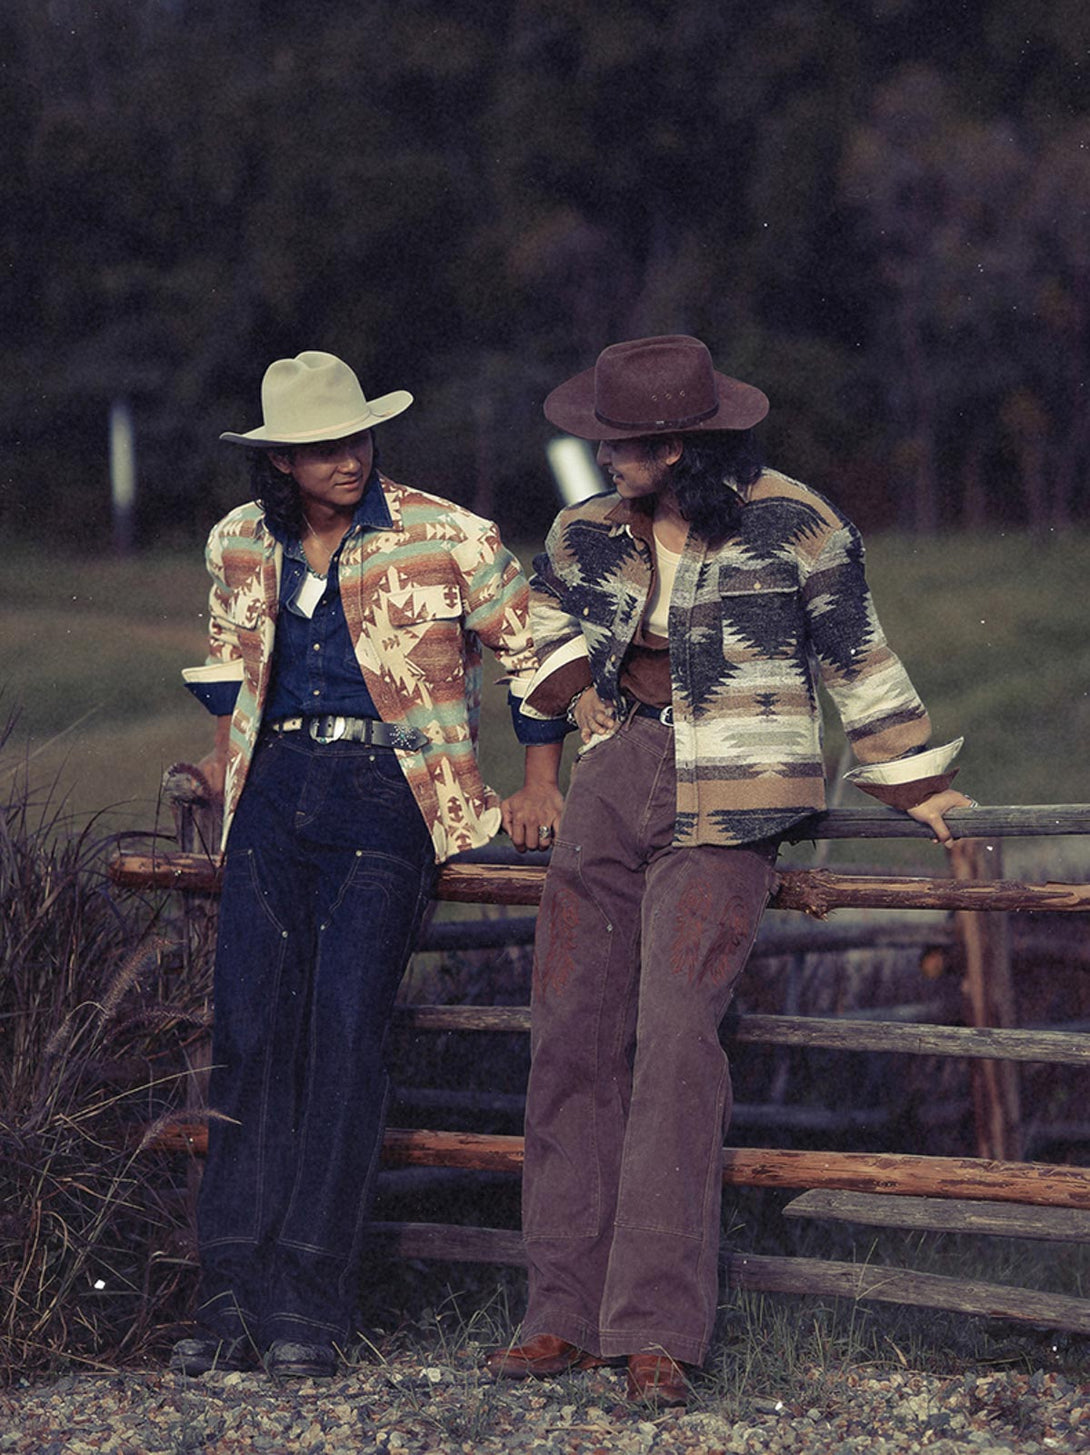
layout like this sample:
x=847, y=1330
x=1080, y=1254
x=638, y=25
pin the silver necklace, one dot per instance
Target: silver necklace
x=310, y=531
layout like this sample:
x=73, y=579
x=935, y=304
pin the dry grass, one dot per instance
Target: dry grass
x=97, y=1008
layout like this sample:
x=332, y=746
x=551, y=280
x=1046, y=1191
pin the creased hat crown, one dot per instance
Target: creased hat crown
x=660, y=385
x=316, y=396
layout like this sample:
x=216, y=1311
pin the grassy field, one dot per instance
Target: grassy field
x=992, y=629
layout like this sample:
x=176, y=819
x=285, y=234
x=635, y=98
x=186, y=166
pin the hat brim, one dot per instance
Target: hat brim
x=570, y=407
x=378, y=412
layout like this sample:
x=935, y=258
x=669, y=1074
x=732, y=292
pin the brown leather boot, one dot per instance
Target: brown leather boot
x=539, y=1357
x=656, y=1379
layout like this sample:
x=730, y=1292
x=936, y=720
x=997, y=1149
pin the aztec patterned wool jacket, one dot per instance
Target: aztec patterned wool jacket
x=754, y=624
x=419, y=599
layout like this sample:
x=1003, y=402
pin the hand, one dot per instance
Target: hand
x=214, y=764
x=214, y=770
x=593, y=716
x=931, y=811
x=531, y=816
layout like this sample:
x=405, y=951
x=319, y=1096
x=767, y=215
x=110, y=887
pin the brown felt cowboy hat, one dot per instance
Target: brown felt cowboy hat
x=315, y=397
x=664, y=385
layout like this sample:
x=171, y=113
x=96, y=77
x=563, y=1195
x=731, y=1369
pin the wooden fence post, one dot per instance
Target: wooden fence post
x=988, y=988
x=198, y=819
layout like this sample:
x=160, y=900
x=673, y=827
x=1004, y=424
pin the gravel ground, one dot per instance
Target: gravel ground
x=405, y=1406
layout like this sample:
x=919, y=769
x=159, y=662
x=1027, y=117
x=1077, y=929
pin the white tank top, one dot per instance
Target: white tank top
x=656, y=617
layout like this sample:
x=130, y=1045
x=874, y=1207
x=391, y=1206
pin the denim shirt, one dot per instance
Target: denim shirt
x=314, y=667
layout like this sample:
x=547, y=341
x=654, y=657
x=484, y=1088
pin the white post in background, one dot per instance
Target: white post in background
x=122, y=475
x=576, y=474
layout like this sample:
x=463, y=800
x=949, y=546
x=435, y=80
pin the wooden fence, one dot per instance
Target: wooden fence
x=994, y=1192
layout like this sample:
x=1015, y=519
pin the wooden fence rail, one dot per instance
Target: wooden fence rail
x=813, y=891
x=1061, y=1048
x=996, y=1192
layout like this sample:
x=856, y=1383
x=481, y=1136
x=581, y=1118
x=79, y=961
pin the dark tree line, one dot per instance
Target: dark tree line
x=875, y=209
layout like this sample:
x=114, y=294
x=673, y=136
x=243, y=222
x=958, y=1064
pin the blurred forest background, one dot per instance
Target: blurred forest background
x=876, y=210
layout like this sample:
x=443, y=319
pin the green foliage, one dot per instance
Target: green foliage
x=877, y=218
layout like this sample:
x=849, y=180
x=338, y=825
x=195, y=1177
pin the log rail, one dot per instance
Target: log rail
x=813, y=891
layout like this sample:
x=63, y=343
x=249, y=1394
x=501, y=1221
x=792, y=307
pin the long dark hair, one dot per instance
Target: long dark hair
x=278, y=494
x=709, y=461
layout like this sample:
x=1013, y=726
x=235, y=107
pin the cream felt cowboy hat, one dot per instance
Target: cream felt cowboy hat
x=315, y=397
x=664, y=385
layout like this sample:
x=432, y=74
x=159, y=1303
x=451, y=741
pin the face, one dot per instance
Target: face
x=332, y=473
x=638, y=467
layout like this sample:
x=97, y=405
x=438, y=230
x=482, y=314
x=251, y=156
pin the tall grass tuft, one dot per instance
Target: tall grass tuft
x=97, y=1010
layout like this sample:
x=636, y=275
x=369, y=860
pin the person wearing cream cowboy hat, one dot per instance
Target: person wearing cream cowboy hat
x=683, y=620
x=346, y=616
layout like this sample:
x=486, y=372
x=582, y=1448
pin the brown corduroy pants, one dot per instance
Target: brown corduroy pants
x=639, y=946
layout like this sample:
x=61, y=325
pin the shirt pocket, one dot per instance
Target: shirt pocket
x=426, y=632
x=761, y=610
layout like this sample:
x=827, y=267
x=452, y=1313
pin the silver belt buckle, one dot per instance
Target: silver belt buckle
x=327, y=729
x=666, y=716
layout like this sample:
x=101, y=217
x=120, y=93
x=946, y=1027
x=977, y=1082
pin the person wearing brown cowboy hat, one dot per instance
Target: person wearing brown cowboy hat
x=683, y=621
x=346, y=616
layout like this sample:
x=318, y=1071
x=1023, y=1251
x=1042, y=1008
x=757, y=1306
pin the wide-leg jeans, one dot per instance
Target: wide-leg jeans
x=329, y=868
x=639, y=946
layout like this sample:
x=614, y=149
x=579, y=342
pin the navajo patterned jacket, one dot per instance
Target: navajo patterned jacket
x=754, y=625
x=419, y=600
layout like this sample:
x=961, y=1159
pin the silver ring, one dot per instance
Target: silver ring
x=972, y=803
x=545, y=831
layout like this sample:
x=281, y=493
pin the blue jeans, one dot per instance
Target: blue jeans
x=328, y=871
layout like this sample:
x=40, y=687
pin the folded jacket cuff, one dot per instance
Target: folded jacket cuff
x=215, y=685
x=907, y=795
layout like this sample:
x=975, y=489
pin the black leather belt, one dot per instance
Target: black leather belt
x=370, y=730
x=660, y=714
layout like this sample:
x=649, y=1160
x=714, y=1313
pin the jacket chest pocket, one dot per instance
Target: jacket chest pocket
x=761, y=610
x=426, y=632
x=592, y=606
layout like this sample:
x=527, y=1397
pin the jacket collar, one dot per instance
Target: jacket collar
x=624, y=517
x=390, y=495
